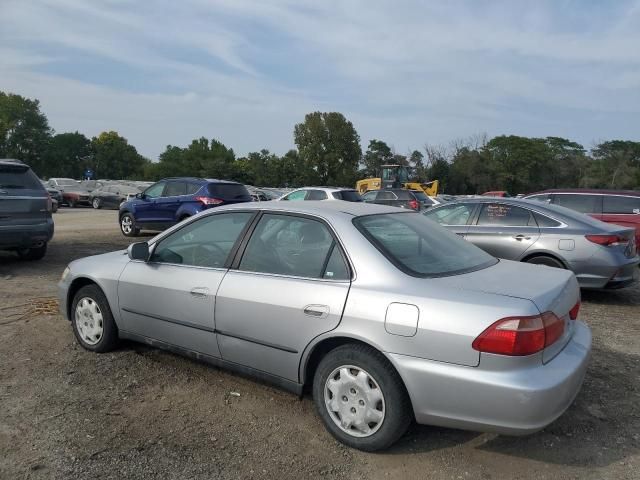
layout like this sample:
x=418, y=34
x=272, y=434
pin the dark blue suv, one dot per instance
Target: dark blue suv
x=171, y=200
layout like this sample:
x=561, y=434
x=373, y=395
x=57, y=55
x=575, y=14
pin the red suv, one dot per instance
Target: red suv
x=621, y=207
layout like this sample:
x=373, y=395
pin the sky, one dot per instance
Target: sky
x=409, y=72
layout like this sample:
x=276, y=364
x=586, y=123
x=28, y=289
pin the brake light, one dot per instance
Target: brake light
x=413, y=204
x=516, y=336
x=607, y=240
x=209, y=200
x=49, y=203
x=573, y=313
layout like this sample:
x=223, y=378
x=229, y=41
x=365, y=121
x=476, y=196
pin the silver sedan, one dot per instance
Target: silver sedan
x=600, y=254
x=384, y=315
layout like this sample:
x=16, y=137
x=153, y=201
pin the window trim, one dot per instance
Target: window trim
x=235, y=264
x=230, y=256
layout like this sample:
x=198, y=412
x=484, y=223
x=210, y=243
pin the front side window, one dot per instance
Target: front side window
x=505, y=215
x=203, y=243
x=621, y=205
x=293, y=246
x=299, y=195
x=579, y=203
x=457, y=214
x=419, y=247
x=155, y=191
x=369, y=196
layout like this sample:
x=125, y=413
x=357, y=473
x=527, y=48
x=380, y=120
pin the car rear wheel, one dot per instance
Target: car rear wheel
x=33, y=253
x=96, y=203
x=545, y=260
x=128, y=226
x=361, y=398
x=92, y=321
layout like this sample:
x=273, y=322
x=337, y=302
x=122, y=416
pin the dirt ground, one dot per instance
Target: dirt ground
x=143, y=413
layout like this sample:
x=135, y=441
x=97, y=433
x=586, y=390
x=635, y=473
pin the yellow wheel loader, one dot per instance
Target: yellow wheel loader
x=396, y=176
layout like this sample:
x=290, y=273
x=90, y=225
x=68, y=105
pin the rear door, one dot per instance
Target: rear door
x=503, y=230
x=258, y=325
x=23, y=199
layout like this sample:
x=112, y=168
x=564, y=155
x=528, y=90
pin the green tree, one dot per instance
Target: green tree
x=616, y=164
x=68, y=155
x=378, y=153
x=24, y=131
x=115, y=158
x=329, y=146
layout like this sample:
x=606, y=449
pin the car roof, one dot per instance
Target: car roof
x=326, y=189
x=11, y=161
x=586, y=191
x=199, y=179
x=320, y=208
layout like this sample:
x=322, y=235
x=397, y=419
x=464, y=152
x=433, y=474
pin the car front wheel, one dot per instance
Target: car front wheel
x=96, y=203
x=361, y=398
x=128, y=225
x=92, y=321
x=34, y=253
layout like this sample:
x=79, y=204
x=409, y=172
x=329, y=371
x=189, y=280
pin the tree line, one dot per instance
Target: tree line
x=327, y=152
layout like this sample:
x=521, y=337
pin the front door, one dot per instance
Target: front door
x=289, y=287
x=171, y=297
x=146, y=210
x=504, y=230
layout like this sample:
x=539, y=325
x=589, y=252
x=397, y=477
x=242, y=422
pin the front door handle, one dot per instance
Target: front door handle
x=318, y=311
x=521, y=237
x=199, y=292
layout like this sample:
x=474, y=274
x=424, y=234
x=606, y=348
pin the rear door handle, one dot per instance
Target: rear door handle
x=521, y=237
x=318, y=311
x=199, y=292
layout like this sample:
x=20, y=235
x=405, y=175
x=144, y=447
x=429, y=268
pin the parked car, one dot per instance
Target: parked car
x=620, y=207
x=394, y=197
x=386, y=316
x=113, y=195
x=55, y=194
x=26, y=224
x=73, y=194
x=601, y=255
x=171, y=200
x=323, y=193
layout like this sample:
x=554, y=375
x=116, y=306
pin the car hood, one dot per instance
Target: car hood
x=550, y=289
x=112, y=261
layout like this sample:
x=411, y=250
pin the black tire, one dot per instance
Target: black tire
x=96, y=203
x=34, y=253
x=545, y=260
x=108, y=339
x=128, y=229
x=398, y=412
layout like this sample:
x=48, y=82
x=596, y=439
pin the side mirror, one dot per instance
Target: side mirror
x=139, y=251
x=140, y=195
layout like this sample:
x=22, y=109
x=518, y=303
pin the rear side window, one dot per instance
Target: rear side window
x=347, y=196
x=175, y=189
x=579, y=203
x=405, y=195
x=228, y=191
x=316, y=195
x=540, y=198
x=192, y=188
x=621, y=205
x=505, y=214
x=544, y=221
x=385, y=195
x=18, y=177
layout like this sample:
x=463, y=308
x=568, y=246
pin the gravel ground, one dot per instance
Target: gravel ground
x=143, y=413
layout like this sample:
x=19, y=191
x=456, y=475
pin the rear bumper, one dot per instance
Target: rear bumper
x=26, y=236
x=599, y=274
x=514, y=401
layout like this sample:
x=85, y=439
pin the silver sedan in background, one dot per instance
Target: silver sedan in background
x=384, y=315
x=600, y=254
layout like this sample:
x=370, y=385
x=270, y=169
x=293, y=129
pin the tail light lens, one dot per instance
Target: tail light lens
x=573, y=313
x=607, y=240
x=49, y=203
x=413, y=204
x=209, y=201
x=516, y=336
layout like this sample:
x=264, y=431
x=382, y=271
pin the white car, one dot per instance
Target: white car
x=323, y=193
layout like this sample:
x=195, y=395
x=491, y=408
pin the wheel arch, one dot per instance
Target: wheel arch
x=556, y=257
x=75, y=286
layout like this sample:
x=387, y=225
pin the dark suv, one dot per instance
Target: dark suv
x=26, y=225
x=171, y=200
x=620, y=207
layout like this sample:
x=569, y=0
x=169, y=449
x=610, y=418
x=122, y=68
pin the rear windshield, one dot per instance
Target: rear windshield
x=228, y=191
x=347, y=195
x=18, y=177
x=420, y=196
x=420, y=247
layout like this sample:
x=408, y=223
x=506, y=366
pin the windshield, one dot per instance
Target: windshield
x=420, y=247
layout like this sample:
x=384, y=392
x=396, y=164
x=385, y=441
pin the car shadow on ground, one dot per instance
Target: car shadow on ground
x=624, y=296
x=601, y=427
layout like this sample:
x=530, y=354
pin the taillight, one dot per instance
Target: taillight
x=49, y=203
x=209, y=200
x=413, y=204
x=607, y=240
x=517, y=336
x=573, y=313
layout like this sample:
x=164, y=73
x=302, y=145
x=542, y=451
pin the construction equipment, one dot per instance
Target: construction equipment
x=396, y=176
